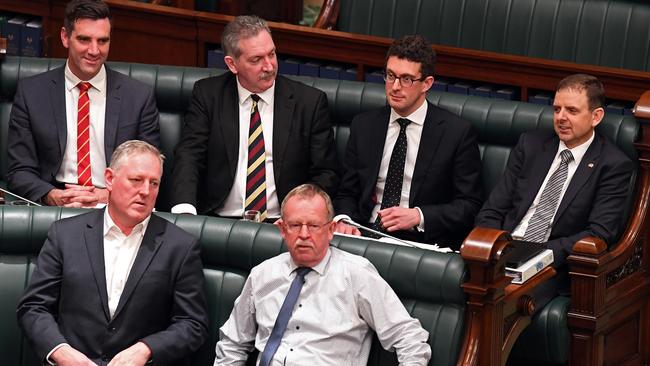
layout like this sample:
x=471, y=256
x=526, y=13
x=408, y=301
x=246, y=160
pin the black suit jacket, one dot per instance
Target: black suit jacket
x=163, y=303
x=205, y=159
x=592, y=205
x=38, y=129
x=446, y=178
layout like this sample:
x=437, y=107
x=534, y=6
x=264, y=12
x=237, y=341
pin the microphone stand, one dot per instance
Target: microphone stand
x=384, y=235
x=19, y=197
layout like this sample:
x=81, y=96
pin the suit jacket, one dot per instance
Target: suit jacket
x=205, y=159
x=593, y=204
x=38, y=128
x=446, y=182
x=163, y=303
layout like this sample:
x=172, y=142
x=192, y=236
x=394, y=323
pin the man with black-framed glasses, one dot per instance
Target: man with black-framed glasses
x=334, y=300
x=411, y=169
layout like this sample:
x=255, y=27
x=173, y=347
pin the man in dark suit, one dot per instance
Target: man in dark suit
x=588, y=198
x=249, y=137
x=118, y=286
x=65, y=123
x=411, y=169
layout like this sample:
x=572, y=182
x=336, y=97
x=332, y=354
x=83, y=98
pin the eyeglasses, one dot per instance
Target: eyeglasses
x=312, y=228
x=405, y=81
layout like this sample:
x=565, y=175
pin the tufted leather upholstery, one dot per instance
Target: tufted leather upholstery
x=614, y=33
x=427, y=282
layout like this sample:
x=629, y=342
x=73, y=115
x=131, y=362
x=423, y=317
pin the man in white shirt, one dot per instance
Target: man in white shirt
x=118, y=286
x=338, y=300
x=65, y=123
x=562, y=186
x=411, y=169
x=250, y=136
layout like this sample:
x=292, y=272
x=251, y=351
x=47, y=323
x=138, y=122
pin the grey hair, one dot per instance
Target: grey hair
x=242, y=27
x=309, y=190
x=130, y=147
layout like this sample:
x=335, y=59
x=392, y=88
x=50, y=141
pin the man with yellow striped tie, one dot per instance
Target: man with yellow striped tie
x=250, y=136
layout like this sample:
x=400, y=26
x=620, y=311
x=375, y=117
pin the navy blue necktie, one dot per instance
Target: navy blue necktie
x=283, y=316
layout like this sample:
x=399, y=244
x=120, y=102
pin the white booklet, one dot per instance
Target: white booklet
x=527, y=270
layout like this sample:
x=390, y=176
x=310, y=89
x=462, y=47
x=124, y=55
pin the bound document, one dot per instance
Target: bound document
x=531, y=267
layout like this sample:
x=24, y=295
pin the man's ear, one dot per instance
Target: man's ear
x=64, y=37
x=279, y=223
x=230, y=62
x=109, y=174
x=597, y=116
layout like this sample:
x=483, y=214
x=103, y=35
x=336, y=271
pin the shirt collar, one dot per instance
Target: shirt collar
x=71, y=80
x=110, y=226
x=579, y=151
x=319, y=268
x=266, y=96
x=418, y=116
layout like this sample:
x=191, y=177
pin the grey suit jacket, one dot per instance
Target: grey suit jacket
x=38, y=133
x=163, y=303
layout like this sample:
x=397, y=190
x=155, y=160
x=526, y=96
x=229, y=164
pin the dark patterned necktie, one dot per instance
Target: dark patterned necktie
x=256, y=167
x=283, y=316
x=540, y=222
x=395, y=176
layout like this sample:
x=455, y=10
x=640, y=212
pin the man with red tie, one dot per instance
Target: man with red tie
x=66, y=123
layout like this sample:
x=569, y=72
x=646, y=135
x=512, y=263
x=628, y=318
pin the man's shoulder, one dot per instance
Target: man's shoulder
x=451, y=119
x=355, y=263
x=79, y=221
x=301, y=90
x=126, y=81
x=371, y=116
x=40, y=79
x=172, y=230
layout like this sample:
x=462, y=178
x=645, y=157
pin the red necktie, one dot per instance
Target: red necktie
x=84, y=173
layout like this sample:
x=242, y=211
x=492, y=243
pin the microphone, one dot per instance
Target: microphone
x=20, y=197
x=384, y=235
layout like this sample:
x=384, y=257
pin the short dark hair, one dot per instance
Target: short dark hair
x=590, y=84
x=414, y=48
x=242, y=27
x=84, y=9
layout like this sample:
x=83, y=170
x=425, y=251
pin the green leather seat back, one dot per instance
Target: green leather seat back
x=428, y=283
x=614, y=33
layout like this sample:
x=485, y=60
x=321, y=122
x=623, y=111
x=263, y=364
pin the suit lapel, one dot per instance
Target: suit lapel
x=57, y=98
x=432, y=131
x=283, y=107
x=94, y=240
x=148, y=249
x=587, y=166
x=228, y=112
x=113, y=106
x=376, y=137
x=538, y=172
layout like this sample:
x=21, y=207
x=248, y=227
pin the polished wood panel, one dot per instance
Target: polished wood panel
x=166, y=35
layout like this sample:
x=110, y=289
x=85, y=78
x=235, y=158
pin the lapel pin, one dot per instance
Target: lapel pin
x=591, y=165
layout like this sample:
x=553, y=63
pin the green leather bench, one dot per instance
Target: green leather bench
x=499, y=124
x=428, y=283
x=613, y=33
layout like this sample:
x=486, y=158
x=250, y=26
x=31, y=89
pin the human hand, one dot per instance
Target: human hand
x=136, y=355
x=84, y=196
x=399, y=218
x=343, y=228
x=68, y=356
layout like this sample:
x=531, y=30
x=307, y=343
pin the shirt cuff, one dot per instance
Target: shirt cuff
x=420, y=227
x=340, y=217
x=47, y=358
x=184, y=208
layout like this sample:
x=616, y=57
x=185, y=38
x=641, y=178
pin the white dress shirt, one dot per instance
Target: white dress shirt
x=342, y=300
x=413, y=137
x=97, y=95
x=578, y=153
x=120, y=251
x=235, y=201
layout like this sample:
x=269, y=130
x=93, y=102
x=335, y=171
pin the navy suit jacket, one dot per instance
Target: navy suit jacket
x=205, y=159
x=593, y=204
x=38, y=128
x=446, y=179
x=163, y=303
